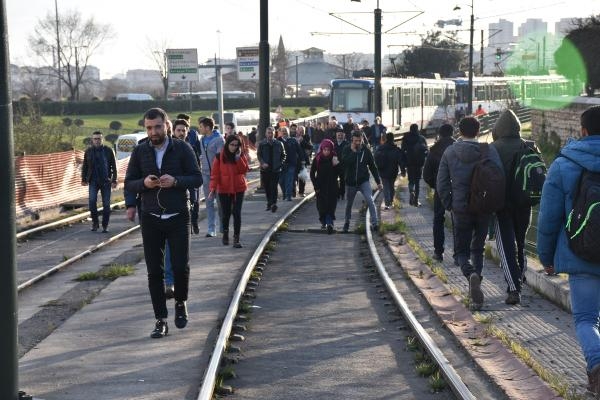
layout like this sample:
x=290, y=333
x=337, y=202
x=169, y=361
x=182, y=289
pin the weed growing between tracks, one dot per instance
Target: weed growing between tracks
x=424, y=366
x=110, y=272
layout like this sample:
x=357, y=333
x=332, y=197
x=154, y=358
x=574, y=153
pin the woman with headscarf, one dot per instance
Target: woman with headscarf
x=324, y=174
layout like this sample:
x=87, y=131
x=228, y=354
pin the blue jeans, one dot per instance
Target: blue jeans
x=210, y=205
x=286, y=181
x=168, y=267
x=104, y=189
x=367, y=192
x=585, y=303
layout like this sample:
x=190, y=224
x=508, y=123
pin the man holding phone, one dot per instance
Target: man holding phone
x=161, y=170
x=357, y=161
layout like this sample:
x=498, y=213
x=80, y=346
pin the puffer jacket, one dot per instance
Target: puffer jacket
x=178, y=161
x=556, y=204
x=357, y=165
x=229, y=178
x=454, y=175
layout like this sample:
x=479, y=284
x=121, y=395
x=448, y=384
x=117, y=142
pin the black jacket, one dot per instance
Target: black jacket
x=432, y=162
x=88, y=164
x=178, y=161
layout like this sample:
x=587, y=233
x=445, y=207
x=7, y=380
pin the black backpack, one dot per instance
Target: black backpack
x=416, y=154
x=488, y=185
x=528, y=176
x=583, y=222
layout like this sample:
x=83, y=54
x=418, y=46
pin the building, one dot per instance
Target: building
x=313, y=72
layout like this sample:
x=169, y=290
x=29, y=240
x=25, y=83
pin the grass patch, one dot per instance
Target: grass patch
x=437, y=382
x=285, y=226
x=270, y=246
x=440, y=273
x=111, y=272
x=361, y=229
x=426, y=368
x=412, y=344
x=555, y=381
x=397, y=226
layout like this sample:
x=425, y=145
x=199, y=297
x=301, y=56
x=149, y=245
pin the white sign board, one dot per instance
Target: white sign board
x=182, y=65
x=247, y=60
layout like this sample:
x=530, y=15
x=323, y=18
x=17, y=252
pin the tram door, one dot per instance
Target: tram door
x=398, y=94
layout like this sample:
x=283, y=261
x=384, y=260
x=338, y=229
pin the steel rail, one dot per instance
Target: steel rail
x=457, y=385
x=210, y=376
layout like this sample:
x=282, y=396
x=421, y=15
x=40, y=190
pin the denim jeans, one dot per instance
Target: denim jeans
x=388, y=190
x=210, y=205
x=155, y=233
x=585, y=304
x=286, y=180
x=367, y=192
x=168, y=266
x=470, y=231
x=439, y=217
x=104, y=189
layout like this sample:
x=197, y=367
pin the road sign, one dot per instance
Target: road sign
x=528, y=56
x=247, y=61
x=182, y=65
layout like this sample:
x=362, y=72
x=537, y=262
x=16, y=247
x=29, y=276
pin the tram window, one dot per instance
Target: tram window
x=350, y=99
x=438, y=98
x=390, y=98
x=479, y=93
x=406, y=98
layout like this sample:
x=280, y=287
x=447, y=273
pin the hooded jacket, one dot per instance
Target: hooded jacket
x=556, y=204
x=357, y=165
x=432, y=162
x=454, y=176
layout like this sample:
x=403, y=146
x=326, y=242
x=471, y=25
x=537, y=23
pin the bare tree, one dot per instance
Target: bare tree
x=78, y=41
x=157, y=51
x=350, y=62
x=34, y=84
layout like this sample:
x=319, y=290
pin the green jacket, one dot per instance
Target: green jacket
x=357, y=165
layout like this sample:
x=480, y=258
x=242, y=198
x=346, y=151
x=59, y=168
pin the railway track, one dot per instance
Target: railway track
x=249, y=293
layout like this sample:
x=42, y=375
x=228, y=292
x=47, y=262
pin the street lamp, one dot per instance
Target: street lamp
x=470, y=86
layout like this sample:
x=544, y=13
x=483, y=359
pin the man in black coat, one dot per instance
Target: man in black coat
x=99, y=173
x=430, y=170
x=162, y=170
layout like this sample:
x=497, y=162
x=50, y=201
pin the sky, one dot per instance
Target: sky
x=217, y=27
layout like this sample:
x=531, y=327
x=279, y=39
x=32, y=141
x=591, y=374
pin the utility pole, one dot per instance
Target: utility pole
x=263, y=78
x=296, y=76
x=58, y=70
x=377, y=61
x=9, y=365
x=481, y=55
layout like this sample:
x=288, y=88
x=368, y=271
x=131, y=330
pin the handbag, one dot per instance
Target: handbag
x=303, y=174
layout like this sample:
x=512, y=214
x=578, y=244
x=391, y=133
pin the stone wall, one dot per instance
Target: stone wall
x=559, y=122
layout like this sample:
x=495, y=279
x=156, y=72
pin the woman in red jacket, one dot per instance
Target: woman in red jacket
x=228, y=180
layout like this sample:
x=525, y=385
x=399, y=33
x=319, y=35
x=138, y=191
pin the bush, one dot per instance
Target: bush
x=115, y=125
x=111, y=137
x=78, y=122
x=141, y=122
x=67, y=121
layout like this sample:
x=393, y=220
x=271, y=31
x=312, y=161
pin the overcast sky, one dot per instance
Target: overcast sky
x=217, y=27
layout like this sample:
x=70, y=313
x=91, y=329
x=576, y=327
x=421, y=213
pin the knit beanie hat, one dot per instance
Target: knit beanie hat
x=507, y=125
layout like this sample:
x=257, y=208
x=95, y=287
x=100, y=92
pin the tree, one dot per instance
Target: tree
x=78, y=40
x=578, y=56
x=435, y=55
x=350, y=62
x=157, y=51
x=34, y=85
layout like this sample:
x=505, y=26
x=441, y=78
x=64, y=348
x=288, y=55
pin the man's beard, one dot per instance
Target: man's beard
x=157, y=140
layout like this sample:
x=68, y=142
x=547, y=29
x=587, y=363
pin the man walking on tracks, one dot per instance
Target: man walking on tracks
x=573, y=174
x=211, y=143
x=162, y=170
x=455, y=185
x=357, y=161
x=99, y=172
x=271, y=157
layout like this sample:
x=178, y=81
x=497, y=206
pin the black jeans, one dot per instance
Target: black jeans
x=470, y=231
x=270, y=179
x=232, y=205
x=154, y=233
x=511, y=228
x=439, y=216
x=414, y=179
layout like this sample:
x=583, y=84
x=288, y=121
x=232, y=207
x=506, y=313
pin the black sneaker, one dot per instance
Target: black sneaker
x=170, y=292
x=438, y=257
x=95, y=227
x=195, y=228
x=375, y=228
x=104, y=229
x=161, y=329
x=513, y=298
x=475, y=292
x=181, y=315
x=346, y=227
x=274, y=207
x=330, y=229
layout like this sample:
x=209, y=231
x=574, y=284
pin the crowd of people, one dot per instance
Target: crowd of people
x=479, y=184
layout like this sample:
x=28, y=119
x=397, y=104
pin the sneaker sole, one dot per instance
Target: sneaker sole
x=180, y=322
x=475, y=290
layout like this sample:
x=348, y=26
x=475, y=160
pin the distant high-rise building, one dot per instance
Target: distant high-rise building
x=562, y=26
x=501, y=33
x=533, y=27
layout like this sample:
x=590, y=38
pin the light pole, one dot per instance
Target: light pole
x=296, y=76
x=58, y=52
x=470, y=86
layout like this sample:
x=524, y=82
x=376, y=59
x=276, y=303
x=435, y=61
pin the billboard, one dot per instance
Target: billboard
x=247, y=61
x=182, y=65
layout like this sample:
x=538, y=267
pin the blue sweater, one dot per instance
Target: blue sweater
x=557, y=202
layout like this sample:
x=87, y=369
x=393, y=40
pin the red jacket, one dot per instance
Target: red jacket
x=227, y=177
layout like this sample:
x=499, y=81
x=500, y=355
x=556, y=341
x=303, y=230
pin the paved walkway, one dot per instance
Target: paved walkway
x=543, y=327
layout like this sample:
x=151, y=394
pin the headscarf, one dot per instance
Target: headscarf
x=325, y=143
